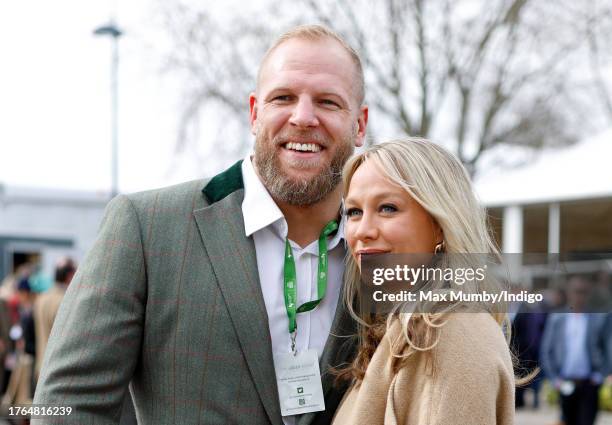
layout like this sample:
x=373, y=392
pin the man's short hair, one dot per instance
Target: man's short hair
x=316, y=33
x=64, y=270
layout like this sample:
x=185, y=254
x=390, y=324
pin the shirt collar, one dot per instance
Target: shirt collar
x=335, y=240
x=259, y=209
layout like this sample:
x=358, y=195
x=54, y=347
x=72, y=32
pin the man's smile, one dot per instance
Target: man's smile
x=303, y=147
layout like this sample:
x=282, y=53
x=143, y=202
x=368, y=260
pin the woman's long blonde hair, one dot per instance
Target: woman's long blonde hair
x=435, y=179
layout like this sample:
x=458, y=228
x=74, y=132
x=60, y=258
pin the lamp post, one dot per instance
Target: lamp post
x=114, y=32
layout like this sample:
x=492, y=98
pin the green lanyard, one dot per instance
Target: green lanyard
x=291, y=280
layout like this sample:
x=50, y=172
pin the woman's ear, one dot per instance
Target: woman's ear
x=438, y=232
x=440, y=246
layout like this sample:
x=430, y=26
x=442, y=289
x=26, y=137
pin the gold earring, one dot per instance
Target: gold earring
x=440, y=248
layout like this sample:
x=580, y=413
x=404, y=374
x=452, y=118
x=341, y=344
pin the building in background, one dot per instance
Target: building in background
x=559, y=203
x=41, y=225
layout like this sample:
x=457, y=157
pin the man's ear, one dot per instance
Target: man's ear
x=253, y=112
x=362, y=123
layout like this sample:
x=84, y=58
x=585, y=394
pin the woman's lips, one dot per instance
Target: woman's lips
x=370, y=251
x=365, y=252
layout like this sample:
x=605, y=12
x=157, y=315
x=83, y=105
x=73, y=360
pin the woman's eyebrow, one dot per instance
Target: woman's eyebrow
x=375, y=196
x=348, y=201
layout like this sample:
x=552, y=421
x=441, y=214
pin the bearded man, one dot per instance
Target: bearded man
x=206, y=301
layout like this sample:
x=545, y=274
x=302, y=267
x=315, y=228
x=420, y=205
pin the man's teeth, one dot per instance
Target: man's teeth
x=303, y=147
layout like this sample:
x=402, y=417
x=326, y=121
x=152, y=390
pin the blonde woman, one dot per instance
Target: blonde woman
x=423, y=368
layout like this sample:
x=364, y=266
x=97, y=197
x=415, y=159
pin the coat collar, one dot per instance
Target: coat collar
x=224, y=184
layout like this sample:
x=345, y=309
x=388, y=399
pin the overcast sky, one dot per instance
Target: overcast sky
x=55, y=97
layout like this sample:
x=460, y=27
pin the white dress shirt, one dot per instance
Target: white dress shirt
x=576, y=364
x=264, y=221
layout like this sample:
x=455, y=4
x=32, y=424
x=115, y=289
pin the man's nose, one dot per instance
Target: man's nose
x=304, y=114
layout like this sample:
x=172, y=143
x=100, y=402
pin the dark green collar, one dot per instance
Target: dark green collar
x=225, y=183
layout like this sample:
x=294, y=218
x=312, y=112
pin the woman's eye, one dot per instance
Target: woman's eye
x=388, y=208
x=352, y=212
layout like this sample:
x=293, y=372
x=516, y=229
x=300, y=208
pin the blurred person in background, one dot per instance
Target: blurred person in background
x=26, y=316
x=9, y=290
x=554, y=300
x=601, y=295
x=47, y=305
x=5, y=341
x=574, y=354
x=9, y=320
x=527, y=331
x=8, y=287
x=20, y=385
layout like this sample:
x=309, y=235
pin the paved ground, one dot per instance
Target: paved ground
x=548, y=416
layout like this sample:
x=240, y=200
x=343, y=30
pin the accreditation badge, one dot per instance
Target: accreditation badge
x=299, y=383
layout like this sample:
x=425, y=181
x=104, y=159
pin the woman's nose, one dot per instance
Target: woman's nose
x=366, y=228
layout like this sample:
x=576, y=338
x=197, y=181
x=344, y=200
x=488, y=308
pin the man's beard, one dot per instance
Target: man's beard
x=301, y=191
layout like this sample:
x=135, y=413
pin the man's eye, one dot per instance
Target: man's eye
x=352, y=212
x=388, y=208
x=282, y=98
x=329, y=102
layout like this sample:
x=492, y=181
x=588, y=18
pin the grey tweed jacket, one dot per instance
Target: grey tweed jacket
x=169, y=301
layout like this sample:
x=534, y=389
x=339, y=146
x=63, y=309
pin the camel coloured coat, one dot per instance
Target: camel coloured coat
x=466, y=380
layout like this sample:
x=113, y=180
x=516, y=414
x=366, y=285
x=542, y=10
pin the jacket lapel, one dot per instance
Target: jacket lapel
x=234, y=262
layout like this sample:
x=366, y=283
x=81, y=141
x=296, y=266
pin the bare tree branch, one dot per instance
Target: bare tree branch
x=424, y=67
x=605, y=95
x=482, y=72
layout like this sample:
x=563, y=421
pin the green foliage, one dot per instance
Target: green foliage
x=605, y=397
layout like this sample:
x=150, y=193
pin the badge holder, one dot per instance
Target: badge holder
x=298, y=377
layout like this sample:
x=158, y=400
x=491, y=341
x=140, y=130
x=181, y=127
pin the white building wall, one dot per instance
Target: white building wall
x=50, y=215
x=76, y=222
